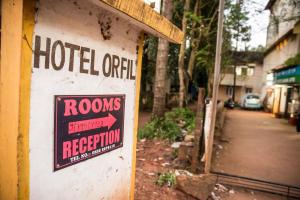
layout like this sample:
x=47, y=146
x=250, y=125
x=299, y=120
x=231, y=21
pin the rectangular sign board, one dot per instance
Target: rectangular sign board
x=82, y=102
x=86, y=126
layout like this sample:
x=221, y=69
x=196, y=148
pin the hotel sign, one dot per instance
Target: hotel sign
x=86, y=126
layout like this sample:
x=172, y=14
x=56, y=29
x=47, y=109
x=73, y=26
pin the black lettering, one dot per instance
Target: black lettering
x=72, y=48
x=115, y=65
x=38, y=52
x=123, y=67
x=62, y=55
x=106, y=74
x=128, y=69
x=83, y=60
x=132, y=77
x=93, y=71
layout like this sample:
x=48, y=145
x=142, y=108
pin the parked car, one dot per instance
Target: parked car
x=251, y=101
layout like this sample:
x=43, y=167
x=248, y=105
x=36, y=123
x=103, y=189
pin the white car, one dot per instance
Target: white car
x=251, y=101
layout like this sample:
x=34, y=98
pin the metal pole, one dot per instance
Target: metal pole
x=208, y=152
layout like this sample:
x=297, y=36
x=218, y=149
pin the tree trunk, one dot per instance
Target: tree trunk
x=182, y=88
x=195, y=38
x=161, y=67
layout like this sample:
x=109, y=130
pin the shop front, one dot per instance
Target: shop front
x=287, y=88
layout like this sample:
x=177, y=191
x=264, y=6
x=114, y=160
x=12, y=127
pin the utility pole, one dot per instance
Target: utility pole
x=234, y=67
x=209, y=146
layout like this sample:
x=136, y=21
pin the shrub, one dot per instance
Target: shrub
x=169, y=126
x=293, y=60
x=168, y=179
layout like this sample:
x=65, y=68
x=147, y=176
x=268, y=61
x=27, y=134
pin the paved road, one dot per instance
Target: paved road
x=259, y=146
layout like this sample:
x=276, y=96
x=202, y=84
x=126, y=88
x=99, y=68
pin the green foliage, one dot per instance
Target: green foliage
x=236, y=22
x=186, y=116
x=149, y=61
x=293, y=60
x=175, y=153
x=168, y=179
x=167, y=127
x=159, y=128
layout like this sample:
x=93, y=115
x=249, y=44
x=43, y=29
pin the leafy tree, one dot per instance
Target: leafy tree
x=236, y=24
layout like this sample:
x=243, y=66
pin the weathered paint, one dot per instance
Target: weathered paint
x=136, y=113
x=103, y=177
x=147, y=18
x=11, y=39
x=23, y=138
x=26, y=95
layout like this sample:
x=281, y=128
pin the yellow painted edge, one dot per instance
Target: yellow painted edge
x=11, y=41
x=136, y=112
x=24, y=109
x=143, y=13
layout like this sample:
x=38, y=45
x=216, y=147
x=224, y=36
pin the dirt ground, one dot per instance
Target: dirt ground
x=259, y=146
x=155, y=156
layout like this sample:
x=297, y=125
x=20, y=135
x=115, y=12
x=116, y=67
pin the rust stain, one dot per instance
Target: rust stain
x=105, y=26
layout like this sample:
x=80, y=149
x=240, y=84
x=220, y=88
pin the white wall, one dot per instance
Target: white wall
x=284, y=11
x=103, y=177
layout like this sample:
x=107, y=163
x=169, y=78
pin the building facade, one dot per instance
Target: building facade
x=280, y=87
x=248, y=76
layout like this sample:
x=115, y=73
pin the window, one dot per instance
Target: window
x=229, y=90
x=248, y=90
x=244, y=71
x=250, y=71
x=238, y=71
x=252, y=97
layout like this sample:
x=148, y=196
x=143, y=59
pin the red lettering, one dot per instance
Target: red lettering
x=67, y=150
x=75, y=147
x=96, y=140
x=90, y=143
x=82, y=145
x=111, y=137
x=102, y=139
x=96, y=105
x=84, y=106
x=107, y=105
x=106, y=138
x=117, y=104
x=70, y=107
x=117, y=135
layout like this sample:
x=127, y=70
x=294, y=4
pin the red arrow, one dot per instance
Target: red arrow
x=85, y=125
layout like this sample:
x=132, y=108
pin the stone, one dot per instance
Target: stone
x=198, y=186
x=189, y=138
x=184, y=132
x=180, y=164
x=176, y=145
x=214, y=196
x=151, y=174
x=221, y=188
x=185, y=150
x=165, y=164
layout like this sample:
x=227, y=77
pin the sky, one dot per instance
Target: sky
x=258, y=20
